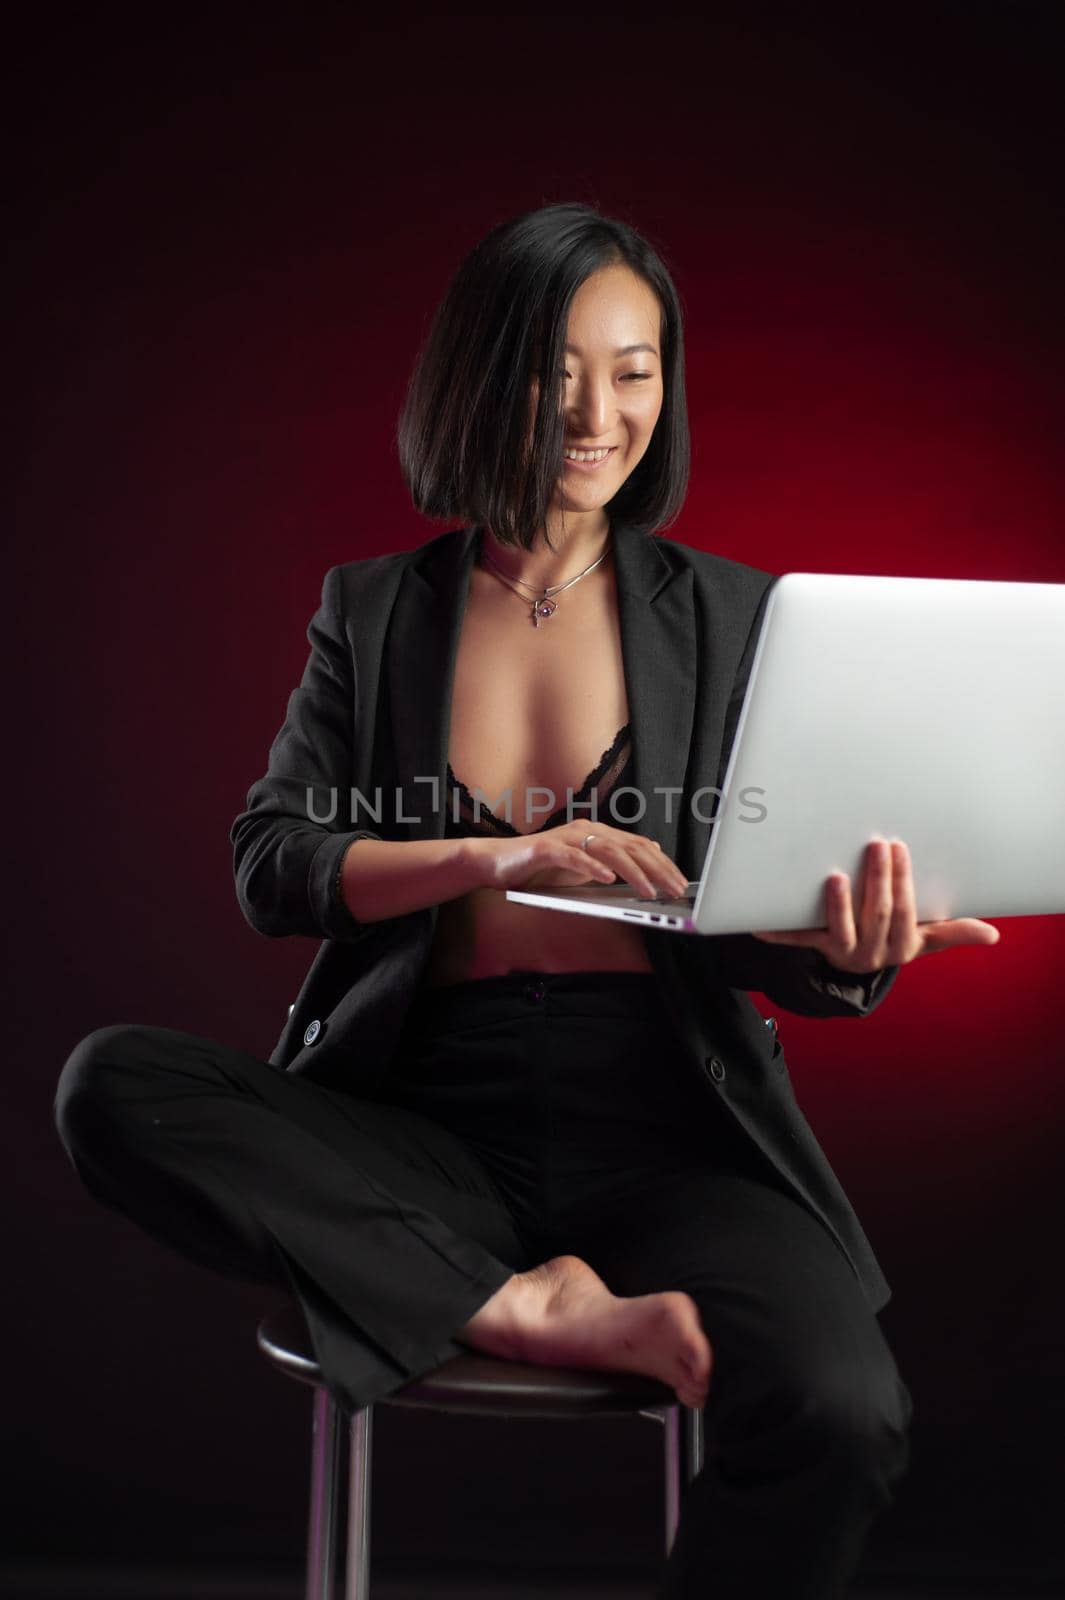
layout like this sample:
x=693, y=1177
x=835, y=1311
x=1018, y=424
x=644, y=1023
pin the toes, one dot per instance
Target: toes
x=693, y=1383
x=699, y=1361
x=691, y=1389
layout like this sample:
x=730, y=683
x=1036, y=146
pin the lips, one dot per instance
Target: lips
x=589, y=466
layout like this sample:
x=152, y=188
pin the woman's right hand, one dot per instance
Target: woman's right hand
x=554, y=858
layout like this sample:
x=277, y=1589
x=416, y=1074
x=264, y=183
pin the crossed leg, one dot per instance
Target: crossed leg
x=386, y=1227
x=356, y=1205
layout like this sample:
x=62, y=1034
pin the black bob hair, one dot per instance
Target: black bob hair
x=463, y=426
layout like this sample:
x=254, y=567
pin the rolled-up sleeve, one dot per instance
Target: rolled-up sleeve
x=289, y=842
x=798, y=978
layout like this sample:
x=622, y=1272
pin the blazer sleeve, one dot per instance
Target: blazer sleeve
x=798, y=978
x=287, y=844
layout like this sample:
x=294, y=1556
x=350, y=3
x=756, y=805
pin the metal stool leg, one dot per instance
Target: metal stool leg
x=684, y=1460
x=325, y=1466
x=358, y=1575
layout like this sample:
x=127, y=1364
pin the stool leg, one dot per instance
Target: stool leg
x=325, y=1464
x=358, y=1576
x=684, y=1460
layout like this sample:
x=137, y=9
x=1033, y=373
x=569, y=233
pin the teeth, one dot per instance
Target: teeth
x=585, y=455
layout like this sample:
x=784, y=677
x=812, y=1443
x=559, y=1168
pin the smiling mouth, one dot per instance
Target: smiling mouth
x=591, y=465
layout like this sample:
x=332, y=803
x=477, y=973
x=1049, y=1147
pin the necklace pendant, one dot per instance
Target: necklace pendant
x=541, y=609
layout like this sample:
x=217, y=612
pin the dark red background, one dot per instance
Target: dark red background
x=228, y=242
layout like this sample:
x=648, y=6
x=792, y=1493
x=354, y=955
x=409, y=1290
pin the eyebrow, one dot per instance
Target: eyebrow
x=624, y=350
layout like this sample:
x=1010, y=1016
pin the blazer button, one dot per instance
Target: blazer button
x=717, y=1068
x=312, y=1031
x=771, y=1022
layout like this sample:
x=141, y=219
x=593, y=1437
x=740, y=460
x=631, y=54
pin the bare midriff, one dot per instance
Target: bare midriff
x=533, y=707
x=483, y=934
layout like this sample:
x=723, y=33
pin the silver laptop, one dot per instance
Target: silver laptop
x=926, y=709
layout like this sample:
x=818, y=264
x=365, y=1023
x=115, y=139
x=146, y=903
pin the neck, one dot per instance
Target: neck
x=544, y=566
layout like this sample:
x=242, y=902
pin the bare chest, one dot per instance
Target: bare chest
x=536, y=707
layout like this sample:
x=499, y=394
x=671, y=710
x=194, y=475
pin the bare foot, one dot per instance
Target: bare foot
x=562, y=1314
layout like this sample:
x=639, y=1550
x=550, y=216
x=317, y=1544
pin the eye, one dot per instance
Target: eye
x=624, y=375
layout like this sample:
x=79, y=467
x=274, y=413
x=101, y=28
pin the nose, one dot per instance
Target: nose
x=592, y=408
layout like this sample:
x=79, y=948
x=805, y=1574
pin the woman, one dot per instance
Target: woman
x=546, y=1136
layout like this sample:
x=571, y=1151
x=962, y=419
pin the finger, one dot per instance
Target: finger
x=839, y=942
x=664, y=873
x=839, y=915
x=833, y=940
x=960, y=930
x=636, y=859
x=624, y=862
x=648, y=851
x=875, y=903
x=585, y=863
x=902, y=937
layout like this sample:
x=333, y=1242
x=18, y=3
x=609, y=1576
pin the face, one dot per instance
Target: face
x=612, y=394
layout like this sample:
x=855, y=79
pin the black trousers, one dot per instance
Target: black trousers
x=527, y=1116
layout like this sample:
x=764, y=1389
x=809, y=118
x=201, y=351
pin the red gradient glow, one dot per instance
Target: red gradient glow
x=227, y=251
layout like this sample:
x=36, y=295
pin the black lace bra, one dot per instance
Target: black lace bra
x=466, y=815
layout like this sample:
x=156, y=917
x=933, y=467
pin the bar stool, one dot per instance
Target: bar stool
x=474, y=1384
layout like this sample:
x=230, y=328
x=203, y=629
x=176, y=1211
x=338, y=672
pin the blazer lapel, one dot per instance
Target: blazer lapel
x=657, y=620
x=421, y=652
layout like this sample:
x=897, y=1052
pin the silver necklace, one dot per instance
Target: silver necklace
x=543, y=606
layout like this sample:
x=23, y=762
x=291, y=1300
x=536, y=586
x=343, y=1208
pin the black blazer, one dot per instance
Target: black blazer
x=364, y=738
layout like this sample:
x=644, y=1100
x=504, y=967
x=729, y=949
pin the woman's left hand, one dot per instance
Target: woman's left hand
x=886, y=932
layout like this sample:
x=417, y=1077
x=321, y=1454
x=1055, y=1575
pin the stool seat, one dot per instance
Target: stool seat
x=477, y=1383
